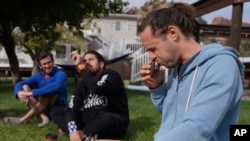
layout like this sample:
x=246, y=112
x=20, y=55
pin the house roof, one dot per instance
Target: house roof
x=123, y=16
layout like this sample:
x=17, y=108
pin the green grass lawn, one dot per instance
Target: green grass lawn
x=145, y=120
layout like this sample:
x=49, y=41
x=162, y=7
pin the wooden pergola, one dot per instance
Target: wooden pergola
x=235, y=31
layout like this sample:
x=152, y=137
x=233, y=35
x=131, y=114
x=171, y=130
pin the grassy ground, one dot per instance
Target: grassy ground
x=145, y=119
x=144, y=123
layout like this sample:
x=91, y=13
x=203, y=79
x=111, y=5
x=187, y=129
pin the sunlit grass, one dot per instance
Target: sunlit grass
x=145, y=119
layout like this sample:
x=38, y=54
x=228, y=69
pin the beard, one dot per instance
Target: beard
x=92, y=70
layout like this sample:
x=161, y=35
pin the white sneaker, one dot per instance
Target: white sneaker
x=44, y=123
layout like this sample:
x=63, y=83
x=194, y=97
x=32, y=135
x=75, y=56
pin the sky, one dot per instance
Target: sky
x=224, y=12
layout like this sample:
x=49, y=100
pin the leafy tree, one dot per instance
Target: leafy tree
x=149, y=6
x=35, y=43
x=245, y=48
x=200, y=20
x=38, y=19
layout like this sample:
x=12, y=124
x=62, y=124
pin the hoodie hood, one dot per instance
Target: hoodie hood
x=211, y=50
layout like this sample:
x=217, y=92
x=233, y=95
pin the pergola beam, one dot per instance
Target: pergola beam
x=223, y=28
x=206, y=6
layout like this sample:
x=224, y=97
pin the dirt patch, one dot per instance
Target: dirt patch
x=246, y=95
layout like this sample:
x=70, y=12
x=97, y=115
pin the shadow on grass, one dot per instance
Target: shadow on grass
x=12, y=112
x=5, y=88
x=139, y=127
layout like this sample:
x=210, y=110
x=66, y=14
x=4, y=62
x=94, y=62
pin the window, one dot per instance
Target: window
x=61, y=51
x=19, y=49
x=121, y=26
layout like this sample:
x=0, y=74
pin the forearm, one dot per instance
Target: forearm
x=158, y=96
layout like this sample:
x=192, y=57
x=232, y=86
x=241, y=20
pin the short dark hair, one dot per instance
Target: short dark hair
x=43, y=54
x=179, y=14
x=99, y=57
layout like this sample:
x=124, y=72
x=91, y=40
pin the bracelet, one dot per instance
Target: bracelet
x=80, y=67
x=72, y=127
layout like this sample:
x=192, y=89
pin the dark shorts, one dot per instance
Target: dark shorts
x=56, y=103
x=104, y=124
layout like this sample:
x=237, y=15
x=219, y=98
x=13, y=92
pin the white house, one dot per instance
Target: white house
x=117, y=36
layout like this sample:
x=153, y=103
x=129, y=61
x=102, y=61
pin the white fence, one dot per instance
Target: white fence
x=137, y=63
x=245, y=59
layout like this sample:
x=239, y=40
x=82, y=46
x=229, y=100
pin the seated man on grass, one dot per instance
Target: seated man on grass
x=42, y=91
x=99, y=105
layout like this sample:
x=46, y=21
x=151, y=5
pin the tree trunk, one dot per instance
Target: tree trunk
x=33, y=55
x=35, y=68
x=7, y=41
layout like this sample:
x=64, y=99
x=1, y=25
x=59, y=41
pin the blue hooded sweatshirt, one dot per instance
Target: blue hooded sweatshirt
x=56, y=84
x=202, y=103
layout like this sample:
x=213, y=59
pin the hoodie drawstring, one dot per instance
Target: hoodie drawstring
x=191, y=88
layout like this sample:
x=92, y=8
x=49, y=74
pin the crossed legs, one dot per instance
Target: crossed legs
x=37, y=106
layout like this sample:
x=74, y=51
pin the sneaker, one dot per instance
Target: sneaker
x=12, y=120
x=44, y=123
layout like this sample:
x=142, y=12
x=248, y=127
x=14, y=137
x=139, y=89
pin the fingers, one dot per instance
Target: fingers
x=73, y=55
x=145, y=70
x=24, y=99
x=145, y=74
x=74, y=52
x=148, y=70
x=149, y=79
x=76, y=57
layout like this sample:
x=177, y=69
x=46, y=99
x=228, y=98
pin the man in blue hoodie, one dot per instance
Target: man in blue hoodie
x=42, y=91
x=202, y=96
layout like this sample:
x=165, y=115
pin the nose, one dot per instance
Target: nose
x=86, y=61
x=152, y=56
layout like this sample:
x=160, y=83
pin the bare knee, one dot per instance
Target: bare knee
x=31, y=101
x=39, y=107
x=26, y=88
x=47, y=101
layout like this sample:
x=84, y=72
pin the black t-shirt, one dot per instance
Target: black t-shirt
x=105, y=94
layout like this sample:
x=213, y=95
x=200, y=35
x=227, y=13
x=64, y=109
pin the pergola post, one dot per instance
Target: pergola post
x=235, y=30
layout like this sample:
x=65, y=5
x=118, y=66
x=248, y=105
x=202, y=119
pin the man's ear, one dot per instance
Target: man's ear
x=102, y=64
x=173, y=32
x=38, y=65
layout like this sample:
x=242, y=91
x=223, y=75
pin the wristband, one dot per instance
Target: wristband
x=72, y=127
x=80, y=67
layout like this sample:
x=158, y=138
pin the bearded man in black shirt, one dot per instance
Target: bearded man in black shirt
x=99, y=104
